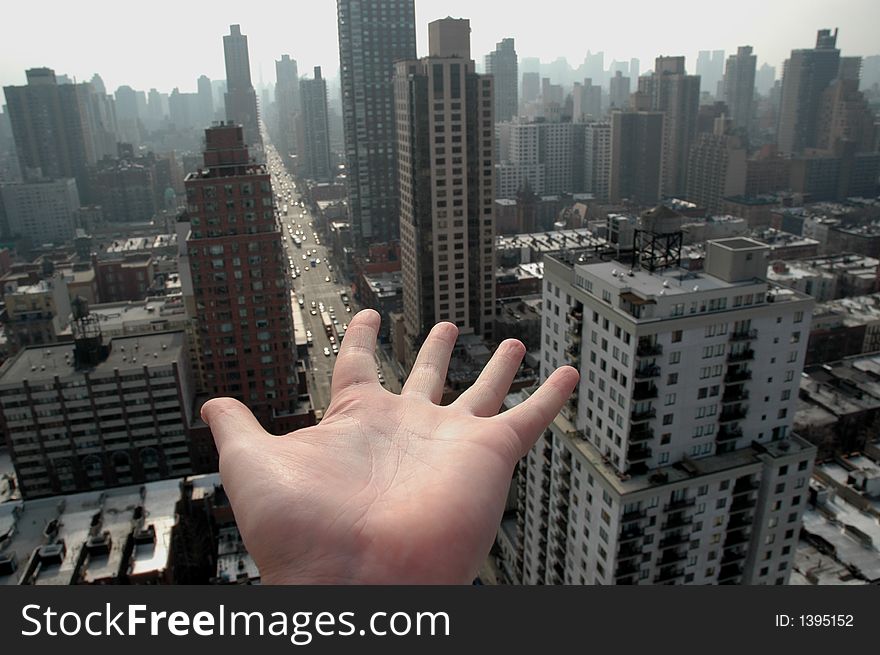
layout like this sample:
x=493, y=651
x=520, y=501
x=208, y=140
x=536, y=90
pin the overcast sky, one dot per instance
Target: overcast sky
x=165, y=44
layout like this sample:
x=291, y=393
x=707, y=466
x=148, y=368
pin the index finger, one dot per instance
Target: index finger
x=356, y=362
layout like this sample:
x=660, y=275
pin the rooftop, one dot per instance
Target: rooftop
x=42, y=363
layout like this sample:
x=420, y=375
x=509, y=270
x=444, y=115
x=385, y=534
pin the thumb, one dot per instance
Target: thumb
x=231, y=422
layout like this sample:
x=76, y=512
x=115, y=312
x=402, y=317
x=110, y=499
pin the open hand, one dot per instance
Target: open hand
x=387, y=489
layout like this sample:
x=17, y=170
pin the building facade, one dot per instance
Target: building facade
x=739, y=87
x=446, y=174
x=636, y=156
x=503, y=65
x=287, y=100
x=41, y=211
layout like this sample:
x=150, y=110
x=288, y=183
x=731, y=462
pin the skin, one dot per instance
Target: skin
x=387, y=489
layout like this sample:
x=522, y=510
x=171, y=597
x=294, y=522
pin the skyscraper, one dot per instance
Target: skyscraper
x=502, y=64
x=234, y=277
x=241, y=99
x=446, y=157
x=287, y=100
x=806, y=75
x=386, y=29
x=314, y=153
x=586, y=101
x=619, y=91
x=673, y=462
x=710, y=68
x=531, y=86
x=716, y=169
x=206, y=101
x=765, y=78
x=636, y=156
x=671, y=90
x=739, y=87
x=597, y=160
x=127, y=115
x=51, y=125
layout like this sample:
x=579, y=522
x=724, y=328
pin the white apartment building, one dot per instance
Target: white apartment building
x=122, y=420
x=539, y=152
x=673, y=461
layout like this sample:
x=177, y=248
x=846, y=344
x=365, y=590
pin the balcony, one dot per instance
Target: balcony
x=675, y=539
x=743, y=503
x=734, y=395
x=744, y=335
x=669, y=574
x=630, y=549
x=626, y=568
x=641, y=433
x=735, y=377
x=739, y=520
x=732, y=414
x=727, y=433
x=673, y=557
x=746, y=355
x=744, y=486
x=576, y=315
x=648, y=349
x=633, y=515
x=677, y=521
x=647, y=372
x=681, y=503
x=729, y=573
x=643, y=415
x=631, y=533
x=638, y=453
x=644, y=391
x=733, y=556
x=736, y=538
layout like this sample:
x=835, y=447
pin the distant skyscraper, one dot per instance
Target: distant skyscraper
x=739, y=86
x=241, y=99
x=314, y=130
x=677, y=94
x=586, y=101
x=710, y=68
x=716, y=169
x=52, y=127
x=531, y=87
x=287, y=100
x=206, y=101
x=445, y=163
x=636, y=156
x=807, y=74
x=634, y=70
x=619, y=91
x=502, y=65
x=845, y=119
x=127, y=115
x=765, y=77
x=385, y=28
x=234, y=275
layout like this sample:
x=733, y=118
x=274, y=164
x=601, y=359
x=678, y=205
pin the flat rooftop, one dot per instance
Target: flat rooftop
x=42, y=363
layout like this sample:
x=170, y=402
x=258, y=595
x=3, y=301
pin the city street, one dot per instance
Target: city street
x=320, y=284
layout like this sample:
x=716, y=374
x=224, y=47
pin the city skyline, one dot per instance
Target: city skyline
x=585, y=28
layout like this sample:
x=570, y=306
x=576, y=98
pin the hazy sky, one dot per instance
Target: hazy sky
x=164, y=44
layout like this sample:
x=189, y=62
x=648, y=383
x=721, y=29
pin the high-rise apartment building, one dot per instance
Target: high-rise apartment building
x=586, y=101
x=241, y=99
x=206, y=101
x=373, y=34
x=618, y=96
x=739, y=87
x=597, y=160
x=314, y=130
x=636, y=156
x=90, y=415
x=845, y=117
x=445, y=161
x=673, y=462
x=287, y=101
x=502, y=64
x=671, y=90
x=540, y=152
x=716, y=169
x=806, y=75
x=234, y=275
x=531, y=87
x=42, y=211
x=52, y=127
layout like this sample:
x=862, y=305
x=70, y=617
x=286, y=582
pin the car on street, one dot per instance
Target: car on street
x=335, y=349
x=326, y=278
x=326, y=351
x=313, y=312
x=302, y=302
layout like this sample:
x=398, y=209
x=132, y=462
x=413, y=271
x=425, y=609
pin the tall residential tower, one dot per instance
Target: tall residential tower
x=241, y=99
x=373, y=34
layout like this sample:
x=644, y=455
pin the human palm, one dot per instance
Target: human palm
x=387, y=488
